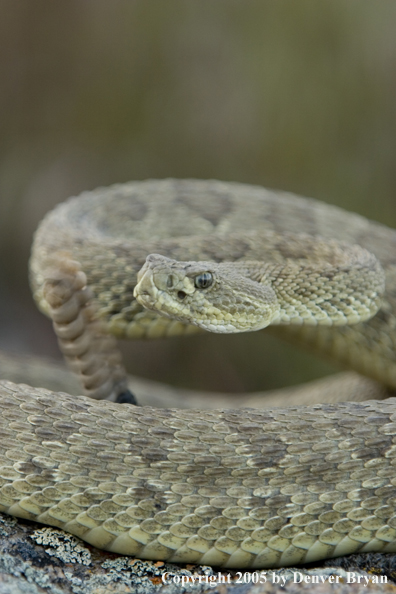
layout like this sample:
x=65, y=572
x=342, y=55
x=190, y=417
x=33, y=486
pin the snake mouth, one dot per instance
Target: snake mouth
x=163, y=289
x=145, y=291
x=151, y=292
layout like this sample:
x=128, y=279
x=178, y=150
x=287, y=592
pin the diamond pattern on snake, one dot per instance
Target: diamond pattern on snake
x=249, y=487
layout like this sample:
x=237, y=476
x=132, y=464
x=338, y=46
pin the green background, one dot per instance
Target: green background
x=298, y=96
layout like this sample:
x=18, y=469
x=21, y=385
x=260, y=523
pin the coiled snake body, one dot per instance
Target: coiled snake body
x=232, y=488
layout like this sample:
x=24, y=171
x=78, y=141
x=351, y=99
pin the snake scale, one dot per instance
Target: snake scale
x=232, y=488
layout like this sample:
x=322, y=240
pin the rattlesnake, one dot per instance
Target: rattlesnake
x=233, y=488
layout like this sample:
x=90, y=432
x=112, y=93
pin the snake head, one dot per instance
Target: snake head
x=215, y=297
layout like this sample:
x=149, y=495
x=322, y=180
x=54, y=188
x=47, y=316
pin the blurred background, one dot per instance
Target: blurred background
x=298, y=96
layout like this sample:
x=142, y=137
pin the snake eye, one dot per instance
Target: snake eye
x=204, y=280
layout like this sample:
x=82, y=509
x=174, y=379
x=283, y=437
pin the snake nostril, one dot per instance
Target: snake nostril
x=181, y=294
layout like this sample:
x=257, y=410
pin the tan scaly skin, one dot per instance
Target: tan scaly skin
x=233, y=488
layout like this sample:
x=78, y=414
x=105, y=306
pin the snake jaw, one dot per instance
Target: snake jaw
x=145, y=292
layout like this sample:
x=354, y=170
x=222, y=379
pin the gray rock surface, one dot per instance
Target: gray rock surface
x=36, y=559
